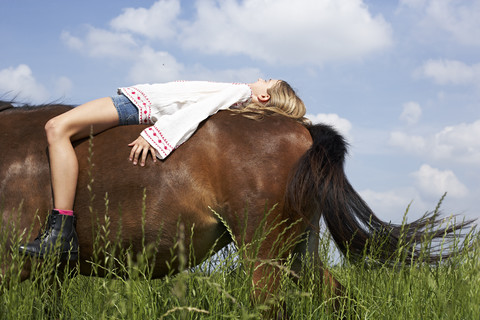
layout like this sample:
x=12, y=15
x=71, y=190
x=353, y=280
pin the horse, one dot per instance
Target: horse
x=217, y=185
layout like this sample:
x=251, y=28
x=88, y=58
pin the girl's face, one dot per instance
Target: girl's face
x=259, y=89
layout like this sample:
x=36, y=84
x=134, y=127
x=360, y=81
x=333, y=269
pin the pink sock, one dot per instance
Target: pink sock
x=65, y=212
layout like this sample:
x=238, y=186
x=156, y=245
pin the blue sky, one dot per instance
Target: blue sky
x=401, y=79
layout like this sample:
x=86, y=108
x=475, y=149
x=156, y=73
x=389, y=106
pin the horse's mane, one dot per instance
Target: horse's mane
x=5, y=105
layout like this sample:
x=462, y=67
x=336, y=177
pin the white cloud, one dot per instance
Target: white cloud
x=389, y=205
x=19, y=83
x=71, y=41
x=457, y=144
x=410, y=143
x=308, y=32
x=246, y=75
x=341, y=124
x=450, y=72
x=102, y=43
x=317, y=31
x=157, y=22
x=144, y=64
x=459, y=19
x=422, y=196
x=63, y=86
x=159, y=66
x=155, y=66
x=413, y=3
x=433, y=182
x=411, y=113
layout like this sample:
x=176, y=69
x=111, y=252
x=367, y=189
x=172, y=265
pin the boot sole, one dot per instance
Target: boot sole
x=64, y=256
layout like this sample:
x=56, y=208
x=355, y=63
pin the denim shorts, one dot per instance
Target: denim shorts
x=127, y=111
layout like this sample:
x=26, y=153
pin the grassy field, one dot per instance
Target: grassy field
x=221, y=289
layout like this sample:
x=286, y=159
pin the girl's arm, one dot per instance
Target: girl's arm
x=171, y=130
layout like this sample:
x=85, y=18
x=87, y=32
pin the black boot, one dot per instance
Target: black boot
x=59, y=227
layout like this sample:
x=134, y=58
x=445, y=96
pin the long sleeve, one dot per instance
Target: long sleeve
x=177, y=121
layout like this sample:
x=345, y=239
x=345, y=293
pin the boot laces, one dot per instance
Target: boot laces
x=48, y=227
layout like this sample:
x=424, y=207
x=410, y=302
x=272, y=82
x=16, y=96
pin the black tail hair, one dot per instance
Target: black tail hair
x=319, y=186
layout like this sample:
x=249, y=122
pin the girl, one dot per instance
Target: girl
x=174, y=109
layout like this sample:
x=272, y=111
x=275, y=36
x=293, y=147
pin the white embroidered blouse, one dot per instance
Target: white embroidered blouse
x=176, y=108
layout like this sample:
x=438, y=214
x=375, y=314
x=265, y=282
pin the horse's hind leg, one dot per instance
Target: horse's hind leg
x=307, y=262
x=266, y=247
x=266, y=275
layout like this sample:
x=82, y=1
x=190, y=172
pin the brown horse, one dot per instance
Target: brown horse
x=224, y=176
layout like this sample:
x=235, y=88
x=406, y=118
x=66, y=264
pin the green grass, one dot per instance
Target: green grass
x=222, y=289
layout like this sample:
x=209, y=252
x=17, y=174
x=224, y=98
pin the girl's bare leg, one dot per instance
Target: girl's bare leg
x=100, y=115
x=61, y=130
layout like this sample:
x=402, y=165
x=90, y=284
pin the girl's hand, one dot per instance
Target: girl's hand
x=141, y=147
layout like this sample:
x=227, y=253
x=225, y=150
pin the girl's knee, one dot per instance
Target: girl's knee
x=55, y=129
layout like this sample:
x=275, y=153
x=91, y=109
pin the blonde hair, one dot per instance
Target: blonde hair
x=283, y=100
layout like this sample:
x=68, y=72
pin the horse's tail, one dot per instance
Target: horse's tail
x=319, y=186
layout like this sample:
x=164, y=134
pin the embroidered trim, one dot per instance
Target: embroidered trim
x=158, y=140
x=161, y=152
x=142, y=102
